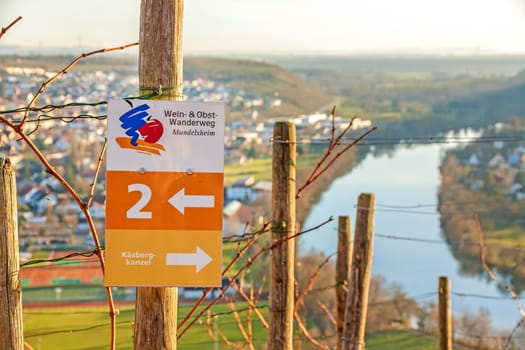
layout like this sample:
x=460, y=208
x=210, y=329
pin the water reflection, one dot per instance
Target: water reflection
x=406, y=183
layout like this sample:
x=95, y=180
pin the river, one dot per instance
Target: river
x=406, y=185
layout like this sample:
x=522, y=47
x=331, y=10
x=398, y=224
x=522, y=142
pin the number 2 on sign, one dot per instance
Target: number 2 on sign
x=135, y=212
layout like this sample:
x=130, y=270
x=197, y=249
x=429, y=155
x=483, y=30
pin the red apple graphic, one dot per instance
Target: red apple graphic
x=152, y=130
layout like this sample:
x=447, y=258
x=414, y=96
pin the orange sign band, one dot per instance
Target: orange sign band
x=164, y=200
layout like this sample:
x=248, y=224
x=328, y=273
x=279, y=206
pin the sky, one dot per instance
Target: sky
x=280, y=26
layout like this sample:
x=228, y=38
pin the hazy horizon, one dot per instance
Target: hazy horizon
x=394, y=52
x=317, y=27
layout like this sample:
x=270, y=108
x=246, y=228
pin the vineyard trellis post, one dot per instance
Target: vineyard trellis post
x=280, y=334
x=11, y=326
x=160, y=68
x=342, y=266
x=359, y=280
x=445, y=314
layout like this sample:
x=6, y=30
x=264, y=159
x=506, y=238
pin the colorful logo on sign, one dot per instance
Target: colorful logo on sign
x=142, y=129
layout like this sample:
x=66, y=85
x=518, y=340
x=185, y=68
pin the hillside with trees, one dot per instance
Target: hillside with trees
x=263, y=79
x=444, y=91
x=483, y=187
x=255, y=79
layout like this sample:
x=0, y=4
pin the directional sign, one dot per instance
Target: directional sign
x=181, y=201
x=164, y=195
x=199, y=259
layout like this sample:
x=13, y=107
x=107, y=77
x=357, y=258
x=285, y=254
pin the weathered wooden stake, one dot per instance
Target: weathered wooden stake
x=445, y=315
x=160, y=71
x=359, y=282
x=280, y=333
x=11, y=326
x=342, y=266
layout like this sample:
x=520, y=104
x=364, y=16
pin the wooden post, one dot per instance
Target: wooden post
x=297, y=336
x=280, y=334
x=342, y=266
x=160, y=67
x=359, y=282
x=11, y=326
x=445, y=315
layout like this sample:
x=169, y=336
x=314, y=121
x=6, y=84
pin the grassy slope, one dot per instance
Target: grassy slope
x=261, y=168
x=88, y=328
x=396, y=339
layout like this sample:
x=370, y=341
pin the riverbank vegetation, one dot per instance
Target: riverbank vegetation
x=483, y=187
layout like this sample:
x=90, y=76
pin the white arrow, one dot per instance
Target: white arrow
x=199, y=259
x=180, y=201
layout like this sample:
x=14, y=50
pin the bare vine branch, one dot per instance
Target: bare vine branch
x=209, y=327
x=306, y=333
x=5, y=29
x=61, y=73
x=327, y=311
x=230, y=343
x=85, y=211
x=84, y=207
x=244, y=333
x=97, y=171
x=252, y=301
x=500, y=282
x=249, y=314
x=332, y=137
x=239, y=254
x=300, y=301
x=310, y=282
x=241, y=270
x=493, y=276
x=214, y=337
x=324, y=164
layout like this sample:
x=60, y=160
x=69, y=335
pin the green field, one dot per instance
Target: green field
x=396, y=340
x=88, y=328
x=261, y=168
